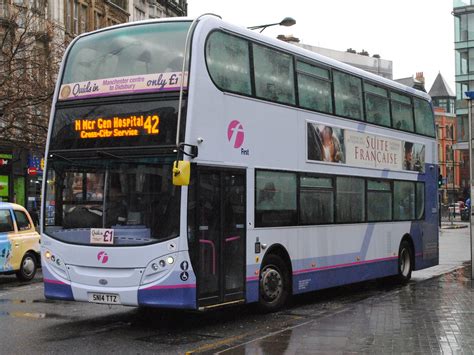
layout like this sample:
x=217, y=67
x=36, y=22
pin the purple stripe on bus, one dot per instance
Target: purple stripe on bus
x=57, y=282
x=343, y=265
x=167, y=287
x=230, y=239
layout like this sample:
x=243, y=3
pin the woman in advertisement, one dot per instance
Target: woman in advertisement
x=323, y=144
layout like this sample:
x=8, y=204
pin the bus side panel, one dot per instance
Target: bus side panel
x=311, y=280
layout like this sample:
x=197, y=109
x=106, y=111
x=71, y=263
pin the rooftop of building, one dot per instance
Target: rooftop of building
x=441, y=88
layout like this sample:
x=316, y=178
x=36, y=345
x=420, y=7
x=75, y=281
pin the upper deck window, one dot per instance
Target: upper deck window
x=314, y=87
x=424, y=121
x=402, y=112
x=273, y=75
x=377, y=105
x=228, y=62
x=348, y=95
x=131, y=57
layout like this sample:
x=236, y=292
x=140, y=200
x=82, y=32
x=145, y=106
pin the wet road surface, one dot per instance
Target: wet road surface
x=373, y=316
x=429, y=315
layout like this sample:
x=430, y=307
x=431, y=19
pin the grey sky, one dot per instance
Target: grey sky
x=417, y=35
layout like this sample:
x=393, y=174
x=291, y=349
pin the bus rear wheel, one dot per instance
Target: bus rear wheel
x=405, y=262
x=274, y=284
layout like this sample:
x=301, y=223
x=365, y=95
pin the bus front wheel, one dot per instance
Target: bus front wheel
x=274, y=284
x=405, y=262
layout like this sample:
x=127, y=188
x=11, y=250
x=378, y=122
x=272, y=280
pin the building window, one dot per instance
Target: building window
x=75, y=18
x=139, y=14
x=83, y=18
x=68, y=16
x=462, y=128
x=98, y=20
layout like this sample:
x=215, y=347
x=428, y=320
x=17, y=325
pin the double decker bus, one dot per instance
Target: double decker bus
x=194, y=164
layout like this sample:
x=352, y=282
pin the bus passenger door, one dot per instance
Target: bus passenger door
x=220, y=230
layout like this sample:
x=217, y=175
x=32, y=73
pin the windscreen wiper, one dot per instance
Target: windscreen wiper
x=101, y=153
x=55, y=155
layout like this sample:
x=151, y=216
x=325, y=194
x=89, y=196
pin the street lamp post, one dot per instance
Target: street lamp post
x=287, y=21
x=470, y=97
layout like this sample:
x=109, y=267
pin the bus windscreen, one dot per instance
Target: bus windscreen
x=135, y=59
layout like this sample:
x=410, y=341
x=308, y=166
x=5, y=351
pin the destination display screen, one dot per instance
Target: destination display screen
x=115, y=125
x=129, y=126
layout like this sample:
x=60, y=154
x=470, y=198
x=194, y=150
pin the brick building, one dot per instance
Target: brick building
x=450, y=160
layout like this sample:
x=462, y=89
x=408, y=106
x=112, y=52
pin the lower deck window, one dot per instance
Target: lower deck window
x=350, y=199
x=291, y=199
x=275, y=199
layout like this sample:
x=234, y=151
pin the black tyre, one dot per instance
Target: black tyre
x=28, y=267
x=274, y=284
x=405, y=262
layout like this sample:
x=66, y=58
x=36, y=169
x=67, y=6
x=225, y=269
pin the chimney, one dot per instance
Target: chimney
x=419, y=76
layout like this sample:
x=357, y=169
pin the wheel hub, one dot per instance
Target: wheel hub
x=28, y=266
x=272, y=283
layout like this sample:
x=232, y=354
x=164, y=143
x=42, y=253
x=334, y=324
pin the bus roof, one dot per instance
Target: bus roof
x=217, y=22
x=288, y=47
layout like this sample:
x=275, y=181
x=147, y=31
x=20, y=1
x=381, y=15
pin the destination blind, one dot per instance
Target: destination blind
x=117, y=126
x=134, y=123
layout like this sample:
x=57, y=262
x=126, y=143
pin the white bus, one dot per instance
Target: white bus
x=305, y=173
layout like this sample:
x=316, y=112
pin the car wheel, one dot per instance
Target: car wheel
x=28, y=267
x=274, y=284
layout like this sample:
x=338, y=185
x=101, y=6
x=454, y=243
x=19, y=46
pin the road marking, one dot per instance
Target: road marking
x=216, y=344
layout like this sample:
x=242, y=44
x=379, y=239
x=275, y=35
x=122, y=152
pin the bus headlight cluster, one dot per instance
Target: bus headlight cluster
x=56, y=263
x=158, y=268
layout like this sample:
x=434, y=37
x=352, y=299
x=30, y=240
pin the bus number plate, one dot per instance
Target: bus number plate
x=104, y=298
x=102, y=236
